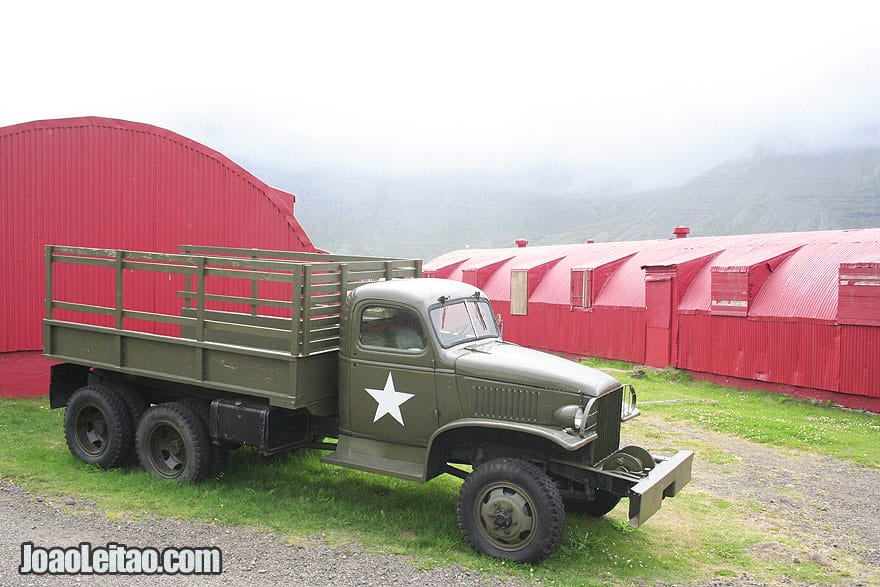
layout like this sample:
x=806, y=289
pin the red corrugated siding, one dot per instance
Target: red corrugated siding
x=619, y=333
x=122, y=185
x=805, y=354
x=581, y=332
x=860, y=360
x=789, y=333
x=859, y=294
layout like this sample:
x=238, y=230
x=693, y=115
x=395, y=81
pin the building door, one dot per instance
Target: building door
x=658, y=318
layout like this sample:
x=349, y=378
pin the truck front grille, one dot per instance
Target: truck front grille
x=608, y=425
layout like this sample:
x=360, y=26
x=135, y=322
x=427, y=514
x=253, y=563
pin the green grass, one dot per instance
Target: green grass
x=762, y=417
x=694, y=538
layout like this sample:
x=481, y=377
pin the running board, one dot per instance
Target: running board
x=367, y=455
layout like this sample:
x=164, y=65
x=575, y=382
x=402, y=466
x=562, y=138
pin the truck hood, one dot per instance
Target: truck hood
x=506, y=362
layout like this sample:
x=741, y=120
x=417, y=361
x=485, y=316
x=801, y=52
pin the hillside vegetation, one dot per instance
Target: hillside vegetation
x=769, y=193
x=425, y=216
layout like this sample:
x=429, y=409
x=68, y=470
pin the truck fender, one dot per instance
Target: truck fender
x=569, y=442
x=65, y=378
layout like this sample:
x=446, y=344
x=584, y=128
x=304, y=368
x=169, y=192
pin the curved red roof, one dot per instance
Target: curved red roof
x=108, y=183
x=799, y=309
x=803, y=285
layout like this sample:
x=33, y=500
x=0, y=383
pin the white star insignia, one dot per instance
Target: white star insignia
x=389, y=400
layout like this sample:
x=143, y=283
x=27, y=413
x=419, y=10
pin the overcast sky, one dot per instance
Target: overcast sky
x=640, y=92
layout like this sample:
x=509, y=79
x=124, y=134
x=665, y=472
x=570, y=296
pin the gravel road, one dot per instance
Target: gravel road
x=828, y=505
x=250, y=557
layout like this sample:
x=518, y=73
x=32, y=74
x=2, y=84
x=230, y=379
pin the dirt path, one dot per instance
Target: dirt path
x=830, y=506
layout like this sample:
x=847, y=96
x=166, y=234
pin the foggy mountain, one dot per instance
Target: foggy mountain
x=763, y=193
x=424, y=216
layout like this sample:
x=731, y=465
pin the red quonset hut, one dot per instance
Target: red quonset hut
x=798, y=311
x=114, y=184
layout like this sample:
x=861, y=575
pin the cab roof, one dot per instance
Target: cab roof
x=421, y=293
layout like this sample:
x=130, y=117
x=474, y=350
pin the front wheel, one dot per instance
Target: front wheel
x=510, y=509
x=602, y=503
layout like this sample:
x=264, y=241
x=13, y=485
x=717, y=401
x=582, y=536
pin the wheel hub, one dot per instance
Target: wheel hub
x=502, y=517
x=168, y=451
x=506, y=517
x=92, y=430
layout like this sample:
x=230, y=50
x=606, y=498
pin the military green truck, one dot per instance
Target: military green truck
x=388, y=372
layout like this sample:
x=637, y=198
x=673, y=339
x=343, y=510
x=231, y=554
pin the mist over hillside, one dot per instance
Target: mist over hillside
x=425, y=216
x=762, y=193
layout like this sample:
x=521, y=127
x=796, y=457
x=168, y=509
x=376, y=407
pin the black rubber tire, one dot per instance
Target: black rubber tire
x=219, y=453
x=603, y=503
x=172, y=443
x=97, y=426
x=136, y=404
x=504, y=495
x=133, y=401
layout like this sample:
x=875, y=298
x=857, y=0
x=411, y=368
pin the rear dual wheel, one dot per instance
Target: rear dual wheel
x=106, y=425
x=172, y=443
x=98, y=427
x=219, y=452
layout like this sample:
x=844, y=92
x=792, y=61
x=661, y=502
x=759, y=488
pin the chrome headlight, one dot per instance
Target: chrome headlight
x=569, y=416
x=578, y=419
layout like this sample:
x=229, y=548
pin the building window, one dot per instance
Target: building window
x=519, y=293
x=581, y=290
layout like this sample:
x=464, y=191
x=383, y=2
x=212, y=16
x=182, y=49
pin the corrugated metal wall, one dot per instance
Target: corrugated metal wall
x=805, y=354
x=579, y=333
x=115, y=184
x=859, y=355
x=798, y=309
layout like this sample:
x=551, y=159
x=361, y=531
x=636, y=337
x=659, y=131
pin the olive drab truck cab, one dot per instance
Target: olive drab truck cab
x=386, y=371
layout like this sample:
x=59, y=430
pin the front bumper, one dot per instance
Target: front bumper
x=666, y=479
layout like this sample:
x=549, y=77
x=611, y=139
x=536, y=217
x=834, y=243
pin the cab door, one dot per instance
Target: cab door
x=392, y=388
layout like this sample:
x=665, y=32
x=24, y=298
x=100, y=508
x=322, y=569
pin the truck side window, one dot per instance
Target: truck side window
x=388, y=327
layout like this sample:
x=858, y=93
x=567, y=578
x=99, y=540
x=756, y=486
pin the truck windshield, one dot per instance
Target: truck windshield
x=464, y=320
